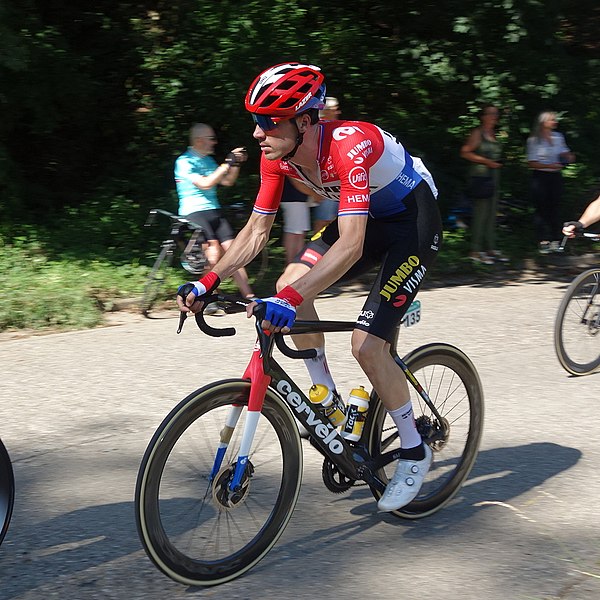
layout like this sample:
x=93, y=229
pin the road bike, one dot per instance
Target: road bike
x=577, y=324
x=7, y=490
x=220, y=477
x=187, y=242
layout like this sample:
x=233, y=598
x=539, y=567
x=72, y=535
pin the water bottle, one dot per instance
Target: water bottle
x=332, y=404
x=356, y=414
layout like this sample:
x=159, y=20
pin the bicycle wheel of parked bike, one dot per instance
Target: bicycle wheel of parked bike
x=7, y=490
x=453, y=386
x=155, y=281
x=192, y=527
x=577, y=325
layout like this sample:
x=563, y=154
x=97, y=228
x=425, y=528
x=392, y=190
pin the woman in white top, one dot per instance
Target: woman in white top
x=547, y=155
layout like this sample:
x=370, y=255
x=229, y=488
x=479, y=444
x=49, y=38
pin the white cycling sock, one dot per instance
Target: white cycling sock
x=318, y=369
x=405, y=421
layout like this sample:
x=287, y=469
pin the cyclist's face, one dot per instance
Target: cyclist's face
x=276, y=143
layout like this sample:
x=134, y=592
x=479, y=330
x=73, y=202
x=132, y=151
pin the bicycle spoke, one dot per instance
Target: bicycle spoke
x=199, y=522
x=452, y=386
x=577, y=329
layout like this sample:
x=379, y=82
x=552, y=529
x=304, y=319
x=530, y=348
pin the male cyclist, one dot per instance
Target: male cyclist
x=388, y=219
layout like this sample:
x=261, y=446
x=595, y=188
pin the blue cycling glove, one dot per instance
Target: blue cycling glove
x=281, y=308
x=280, y=313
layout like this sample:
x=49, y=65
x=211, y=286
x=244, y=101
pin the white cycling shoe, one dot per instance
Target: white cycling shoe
x=406, y=482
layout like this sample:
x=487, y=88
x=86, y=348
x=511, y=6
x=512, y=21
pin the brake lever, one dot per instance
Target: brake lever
x=182, y=317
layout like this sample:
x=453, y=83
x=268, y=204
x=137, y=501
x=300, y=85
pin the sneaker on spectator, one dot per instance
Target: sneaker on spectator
x=214, y=310
x=555, y=246
x=498, y=256
x=481, y=257
x=406, y=482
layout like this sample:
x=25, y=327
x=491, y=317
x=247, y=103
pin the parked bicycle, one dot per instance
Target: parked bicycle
x=183, y=235
x=221, y=476
x=577, y=324
x=187, y=243
x=7, y=490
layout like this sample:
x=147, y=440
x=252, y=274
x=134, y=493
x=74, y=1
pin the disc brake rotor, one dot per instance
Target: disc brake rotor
x=225, y=498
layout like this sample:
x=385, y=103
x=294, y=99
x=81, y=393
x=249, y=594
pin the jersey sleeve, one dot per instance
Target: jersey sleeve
x=183, y=168
x=354, y=150
x=271, y=187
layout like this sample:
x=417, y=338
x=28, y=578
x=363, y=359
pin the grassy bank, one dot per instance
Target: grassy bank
x=41, y=288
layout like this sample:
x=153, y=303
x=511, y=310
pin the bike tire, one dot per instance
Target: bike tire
x=174, y=471
x=7, y=490
x=452, y=383
x=577, y=325
x=155, y=281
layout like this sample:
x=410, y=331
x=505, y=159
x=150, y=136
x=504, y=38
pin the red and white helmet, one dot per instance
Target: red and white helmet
x=286, y=90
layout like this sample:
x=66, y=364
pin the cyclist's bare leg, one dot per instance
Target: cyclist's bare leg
x=213, y=252
x=388, y=379
x=373, y=355
x=240, y=276
x=293, y=243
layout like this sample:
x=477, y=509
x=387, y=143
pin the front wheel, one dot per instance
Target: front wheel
x=577, y=325
x=192, y=527
x=7, y=490
x=453, y=386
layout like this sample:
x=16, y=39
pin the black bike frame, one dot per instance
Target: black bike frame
x=353, y=461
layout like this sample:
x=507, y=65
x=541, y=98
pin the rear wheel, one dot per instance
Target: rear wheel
x=7, y=490
x=155, y=282
x=577, y=325
x=192, y=526
x=453, y=386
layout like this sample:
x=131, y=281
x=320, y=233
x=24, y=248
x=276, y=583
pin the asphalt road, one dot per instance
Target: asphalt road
x=78, y=409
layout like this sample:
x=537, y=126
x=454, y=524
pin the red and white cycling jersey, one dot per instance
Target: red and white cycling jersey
x=364, y=167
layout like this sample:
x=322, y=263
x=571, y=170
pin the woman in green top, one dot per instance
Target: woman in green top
x=484, y=151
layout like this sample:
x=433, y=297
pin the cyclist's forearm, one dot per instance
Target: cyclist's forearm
x=591, y=214
x=246, y=245
x=335, y=263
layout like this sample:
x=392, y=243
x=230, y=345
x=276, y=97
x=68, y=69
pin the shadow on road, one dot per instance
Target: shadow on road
x=93, y=536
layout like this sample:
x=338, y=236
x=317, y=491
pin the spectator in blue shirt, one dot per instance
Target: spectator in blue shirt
x=197, y=176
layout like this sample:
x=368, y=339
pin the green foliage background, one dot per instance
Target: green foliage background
x=96, y=98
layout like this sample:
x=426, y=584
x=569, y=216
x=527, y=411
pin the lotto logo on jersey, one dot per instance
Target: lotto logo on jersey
x=358, y=178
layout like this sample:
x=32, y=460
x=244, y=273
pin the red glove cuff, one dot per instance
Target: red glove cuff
x=291, y=295
x=210, y=281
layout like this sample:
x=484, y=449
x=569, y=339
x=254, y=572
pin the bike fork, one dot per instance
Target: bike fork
x=226, y=433
x=259, y=382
